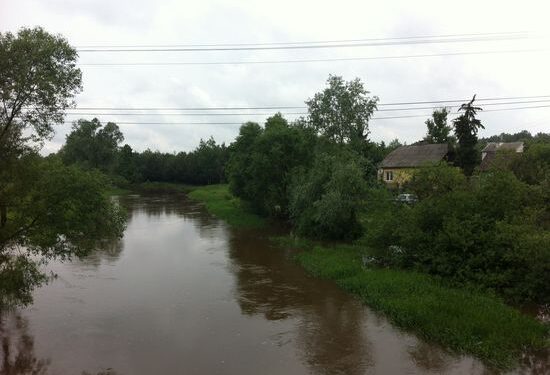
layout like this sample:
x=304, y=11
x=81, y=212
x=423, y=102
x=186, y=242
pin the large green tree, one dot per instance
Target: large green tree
x=466, y=127
x=47, y=210
x=341, y=112
x=38, y=79
x=438, y=130
x=262, y=161
x=92, y=145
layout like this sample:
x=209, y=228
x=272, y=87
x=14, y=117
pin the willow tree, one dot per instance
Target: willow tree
x=47, y=210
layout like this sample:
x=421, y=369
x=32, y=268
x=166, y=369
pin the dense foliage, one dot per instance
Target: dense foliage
x=486, y=232
x=314, y=171
x=262, y=162
x=92, y=145
x=325, y=200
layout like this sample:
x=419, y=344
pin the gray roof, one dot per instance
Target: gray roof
x=494, y=146
x=415, y=156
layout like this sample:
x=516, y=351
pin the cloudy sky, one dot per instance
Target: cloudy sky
x=491, y=66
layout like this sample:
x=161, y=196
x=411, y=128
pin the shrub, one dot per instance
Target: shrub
x=325, y=200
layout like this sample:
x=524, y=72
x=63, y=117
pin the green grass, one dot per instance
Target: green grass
x=462, y=320
x=225, y=206
x=160, y=187
x=149, y=188
x=117, y=191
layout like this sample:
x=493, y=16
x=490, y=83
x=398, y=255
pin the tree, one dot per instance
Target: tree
x=438, y=130
x=238, y=171
x=466, y=127
x=38, y=79
x=262, y=168
x=92, y=145
x=47, y=210
x=342, y=111
x=326, y=198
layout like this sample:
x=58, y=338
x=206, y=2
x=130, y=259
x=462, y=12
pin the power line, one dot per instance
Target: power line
x=182, y=114
x=372, y=119
x=265, y=62
x=286, y=113
x=457, y=113
x=279, y=107
x=306, y=42
x=310, y=46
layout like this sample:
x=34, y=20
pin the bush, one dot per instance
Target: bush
x=325, y=200
x=485, y=233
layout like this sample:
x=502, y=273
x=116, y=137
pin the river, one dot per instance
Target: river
x=183, y=293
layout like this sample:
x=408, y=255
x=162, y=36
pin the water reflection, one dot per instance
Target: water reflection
x=329, y=323
x=17, y=354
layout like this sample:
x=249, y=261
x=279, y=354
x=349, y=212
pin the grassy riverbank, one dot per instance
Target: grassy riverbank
x=150, y=188
x=462, y=320
x=222, y=204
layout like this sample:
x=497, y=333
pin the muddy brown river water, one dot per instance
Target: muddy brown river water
x=182, y=293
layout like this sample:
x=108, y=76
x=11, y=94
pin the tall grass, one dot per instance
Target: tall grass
x=222, y=204
x=462, y=320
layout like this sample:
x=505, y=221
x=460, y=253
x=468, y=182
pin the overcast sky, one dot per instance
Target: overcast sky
x=162, y=22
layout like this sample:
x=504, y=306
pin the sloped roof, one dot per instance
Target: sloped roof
x=494, y=146
x=503, y=149
x=415, y=156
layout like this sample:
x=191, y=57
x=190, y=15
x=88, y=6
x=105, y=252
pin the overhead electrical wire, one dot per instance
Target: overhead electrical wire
x=282, y=107
x=287, y=113
x=372, y=119
x=265, y=62
x=309, y=46
x=308, y=42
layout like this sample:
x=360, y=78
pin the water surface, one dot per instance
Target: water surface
x=182, y=293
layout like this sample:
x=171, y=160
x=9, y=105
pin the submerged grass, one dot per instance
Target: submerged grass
x=221, y=203
x=460, y=319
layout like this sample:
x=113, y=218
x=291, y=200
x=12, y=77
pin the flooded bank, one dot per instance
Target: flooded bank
x=182, y=293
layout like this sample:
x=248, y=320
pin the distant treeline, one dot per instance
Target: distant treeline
x=92, y=145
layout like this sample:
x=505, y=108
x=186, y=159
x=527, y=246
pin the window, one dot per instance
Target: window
x=389, y=176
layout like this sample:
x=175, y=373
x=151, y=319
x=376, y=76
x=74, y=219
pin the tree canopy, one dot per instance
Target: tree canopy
x=341, y=112
x=438, y=130
x=91, y=144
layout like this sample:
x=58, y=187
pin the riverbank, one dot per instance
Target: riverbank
x=150, y=188
x=462, y=320
x=219, y=202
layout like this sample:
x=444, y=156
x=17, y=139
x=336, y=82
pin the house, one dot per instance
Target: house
x=397, y=167
x=490, y=152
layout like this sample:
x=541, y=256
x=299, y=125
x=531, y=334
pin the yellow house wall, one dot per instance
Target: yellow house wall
x=400, y=175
